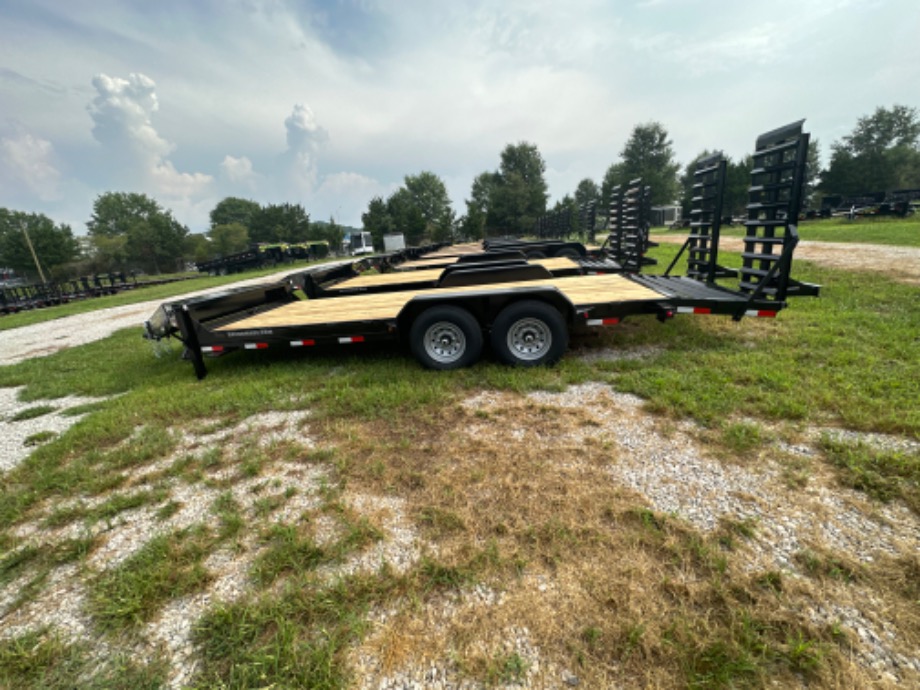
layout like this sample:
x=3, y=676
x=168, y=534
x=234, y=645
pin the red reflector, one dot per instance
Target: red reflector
x=212, y=348
x=302, y=343
x=358, y=339
x=702, y=310
x=767, y=314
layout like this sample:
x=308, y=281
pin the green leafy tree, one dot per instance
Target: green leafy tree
x=197, y=247
x=615, y=175
x=406, y=217
x=330, y=232
x=586, y=192
x=686, y=181
x=153, y=239
x=737, y=184
x=519, y=194
x=228, y=239
x=473, y=224
x=376, y=220
x=54, y=245
x=429, y=194
x=880, y=154
x=280, y=223
x=232, y=210
x=649, y=154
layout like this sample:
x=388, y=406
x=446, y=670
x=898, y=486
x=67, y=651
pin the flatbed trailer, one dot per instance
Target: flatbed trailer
x=527, y=323
x=523, y=311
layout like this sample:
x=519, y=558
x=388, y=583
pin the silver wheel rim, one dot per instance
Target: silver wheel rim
x=529, y=339
x=444, y=342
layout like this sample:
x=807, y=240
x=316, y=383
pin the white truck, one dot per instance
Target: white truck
x=357, y=243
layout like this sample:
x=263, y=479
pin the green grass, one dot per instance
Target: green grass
x=166, y=567
x=43, y=661
x=846, y=359
x=33, y=413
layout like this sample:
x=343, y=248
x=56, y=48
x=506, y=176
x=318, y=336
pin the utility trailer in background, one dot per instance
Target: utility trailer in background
x=524, y=312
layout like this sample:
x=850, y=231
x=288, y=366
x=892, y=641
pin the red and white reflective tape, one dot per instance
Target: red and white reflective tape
x=302, y=343
x=255, y=346
x=351, y=339
x=603, y=322
x=762, y=313
x=212, y=348
x=694, y=310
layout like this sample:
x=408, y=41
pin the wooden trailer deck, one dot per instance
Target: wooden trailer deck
x=430, y=275
x=580, y=290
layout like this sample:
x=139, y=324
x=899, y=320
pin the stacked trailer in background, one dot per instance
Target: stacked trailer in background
x=525, y=316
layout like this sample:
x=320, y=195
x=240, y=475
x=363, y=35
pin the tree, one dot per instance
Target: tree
x=518, y=196
x=228, y=239
x=330, y=232
x=153, y=239
x=614, y=176
x=429, y=194
x=115, y=212
x=880, y=154
x=234, y=210
x=737, y=184
x=405, y=216
x=376, y=220
x=649, y=154
x=586, y=192
x=280, y=223
x=687, y=181
x=473, y=224
x=197, y=248
x=54, y=244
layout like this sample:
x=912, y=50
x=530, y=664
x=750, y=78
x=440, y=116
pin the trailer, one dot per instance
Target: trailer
x=524, y=311
x=264, y=254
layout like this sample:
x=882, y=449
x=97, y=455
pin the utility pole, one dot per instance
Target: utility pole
x=32, y=249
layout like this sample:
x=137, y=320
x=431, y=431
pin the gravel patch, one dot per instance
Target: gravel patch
x=678, y=477
x=899, y=263
x=14, y=434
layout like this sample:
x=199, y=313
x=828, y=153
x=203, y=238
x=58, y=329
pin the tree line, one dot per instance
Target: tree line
x=132, y=232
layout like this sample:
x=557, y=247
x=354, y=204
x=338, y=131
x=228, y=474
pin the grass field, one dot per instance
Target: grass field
x=304, y=468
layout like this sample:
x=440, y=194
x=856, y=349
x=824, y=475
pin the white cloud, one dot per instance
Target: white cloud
x=238, y=172
x=27, y=161
x=121, y=113
x=304, y=137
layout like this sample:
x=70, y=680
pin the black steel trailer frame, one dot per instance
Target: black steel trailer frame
x=525, y=313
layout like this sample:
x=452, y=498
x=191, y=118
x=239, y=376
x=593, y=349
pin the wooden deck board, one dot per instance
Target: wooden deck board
x=580, y=290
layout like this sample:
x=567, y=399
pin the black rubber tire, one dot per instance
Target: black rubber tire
x=568, y=253
x=535, y=254
x=446, y=337
x=529, y=334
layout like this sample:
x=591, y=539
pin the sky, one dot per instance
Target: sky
x=329, y=103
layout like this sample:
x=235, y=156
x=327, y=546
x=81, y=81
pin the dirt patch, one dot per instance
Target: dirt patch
x=900, y=263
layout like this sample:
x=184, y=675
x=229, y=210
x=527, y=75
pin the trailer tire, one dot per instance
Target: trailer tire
x=568, y=253
x=535, y=254
x=446, y=337
x=529, y=334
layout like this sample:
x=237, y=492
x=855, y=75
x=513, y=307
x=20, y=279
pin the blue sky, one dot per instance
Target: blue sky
x=329, y=103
